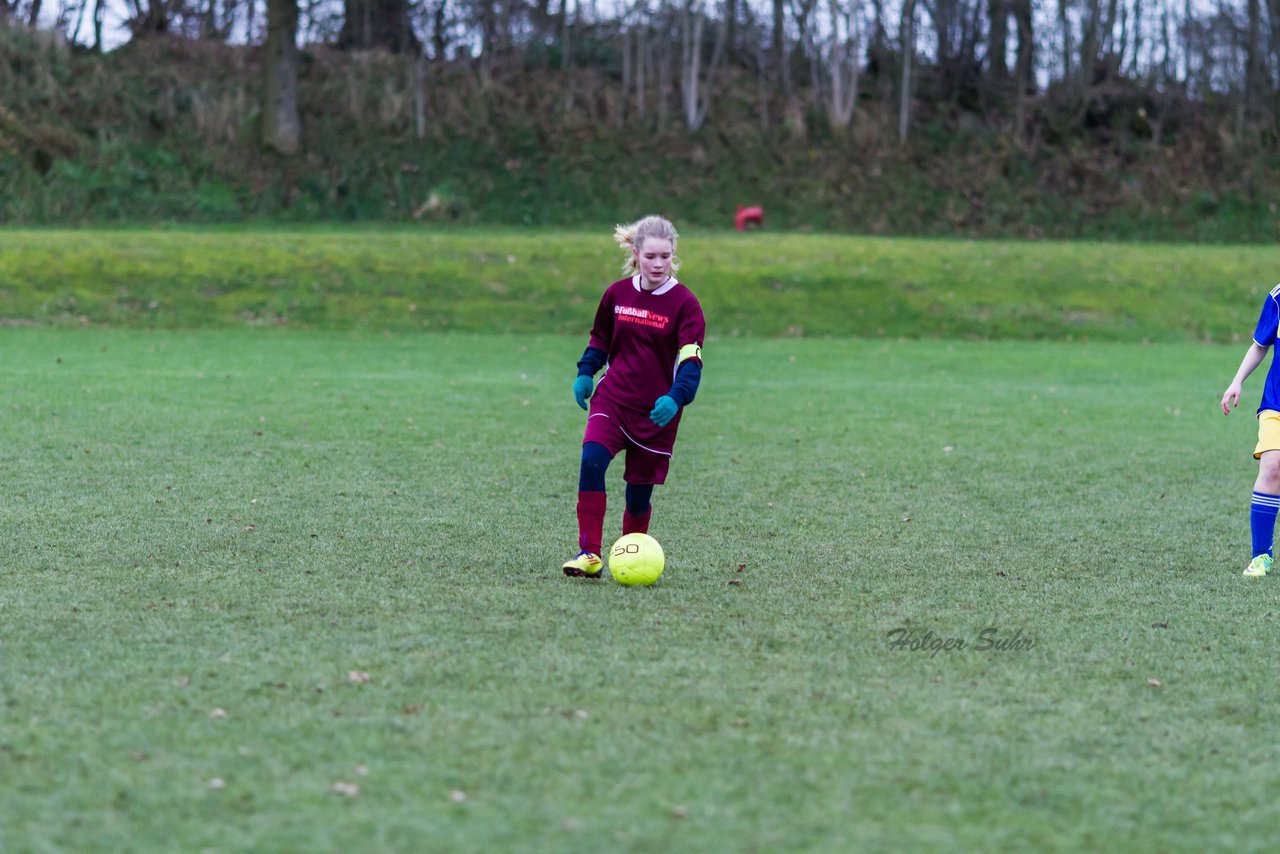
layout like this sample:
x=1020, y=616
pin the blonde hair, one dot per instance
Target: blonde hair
x=632, y=237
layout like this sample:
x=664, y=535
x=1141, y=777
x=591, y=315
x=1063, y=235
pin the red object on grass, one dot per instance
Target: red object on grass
x=753, y=215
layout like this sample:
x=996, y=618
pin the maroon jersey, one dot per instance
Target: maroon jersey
x=645, y=334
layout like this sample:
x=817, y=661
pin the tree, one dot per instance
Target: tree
x=151, y=18
x=804, y=13
x=1253, y=77
x=1273, y=16
x=378, y=23
x=956, y=26
x=1024, y=66
x=1093, y=29
x=997, y=39
x=907, y=34
x=843, y=63
x=695, y=89
x=281, y=128
x=778, y=51
x=1064, y=25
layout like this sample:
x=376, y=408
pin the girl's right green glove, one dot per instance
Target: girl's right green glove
x=582, y=389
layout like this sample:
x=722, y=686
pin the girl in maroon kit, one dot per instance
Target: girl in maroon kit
x=648, y=336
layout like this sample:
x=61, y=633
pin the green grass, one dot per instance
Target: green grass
x=237, y=519
x=758, y=284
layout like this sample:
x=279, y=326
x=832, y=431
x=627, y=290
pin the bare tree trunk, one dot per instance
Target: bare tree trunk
x=378, y=23
x=1139, y=40
x=762, y=85
x=1023, y=64
x=779, y=51
x=690, y=61
x=730, y=24
x=1064, y=24
x=942, y=13
x=664, y=60
x=1273, y=8
x=99, y=10
x=843, y=65
x=810, y=43
x=420, y=96
x=696, y=91
x=642, y=55
x=1158, y=93
x=1115, y=33
x=808, y=48
x=75, y=31
x=151, y=18
x=1253, y=73
x=566, y=53
x=489, y=41
x=908, y=37
x=281, y=129
x=627, y=71
x=1024, y=60
x=230, y=14
x=997, y=39
x=1114, y=17
x=439, y=30
x=1089, y=46
x=566, y=35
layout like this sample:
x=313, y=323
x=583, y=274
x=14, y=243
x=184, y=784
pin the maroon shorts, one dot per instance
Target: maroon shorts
x=648, y=446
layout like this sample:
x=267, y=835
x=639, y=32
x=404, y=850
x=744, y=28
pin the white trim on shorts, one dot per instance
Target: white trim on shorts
x=631, y=438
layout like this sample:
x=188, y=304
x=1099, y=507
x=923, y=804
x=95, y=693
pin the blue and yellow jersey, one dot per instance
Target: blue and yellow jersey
x=1265, y=336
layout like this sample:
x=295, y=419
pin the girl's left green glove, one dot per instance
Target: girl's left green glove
x=664, y=409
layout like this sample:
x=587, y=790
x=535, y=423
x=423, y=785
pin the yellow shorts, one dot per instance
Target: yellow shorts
x=1268, y=432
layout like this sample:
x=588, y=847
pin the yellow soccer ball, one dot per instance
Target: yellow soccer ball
x=636, y=559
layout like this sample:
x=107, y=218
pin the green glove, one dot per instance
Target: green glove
x=664, y=409
x=582, y=389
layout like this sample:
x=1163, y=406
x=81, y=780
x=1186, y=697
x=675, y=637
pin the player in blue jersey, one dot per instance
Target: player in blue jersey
x=1266, y=489
x=648, y=331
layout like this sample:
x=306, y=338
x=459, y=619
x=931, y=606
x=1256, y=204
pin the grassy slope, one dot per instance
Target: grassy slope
x=545, y=281
x=236, y=519
x=168, y=130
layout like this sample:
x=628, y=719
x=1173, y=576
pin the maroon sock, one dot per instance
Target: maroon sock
x=633, y=523
x=591, y=506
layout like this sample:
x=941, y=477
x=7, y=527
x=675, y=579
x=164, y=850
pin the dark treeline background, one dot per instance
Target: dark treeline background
x=1132, y=119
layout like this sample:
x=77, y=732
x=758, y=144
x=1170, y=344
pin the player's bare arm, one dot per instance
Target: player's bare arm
x=1252, y=358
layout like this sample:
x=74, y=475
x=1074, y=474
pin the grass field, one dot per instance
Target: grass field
x=212, y=538
x=521, y=280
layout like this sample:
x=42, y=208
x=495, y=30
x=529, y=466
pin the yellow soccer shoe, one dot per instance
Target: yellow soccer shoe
x=585, y=565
